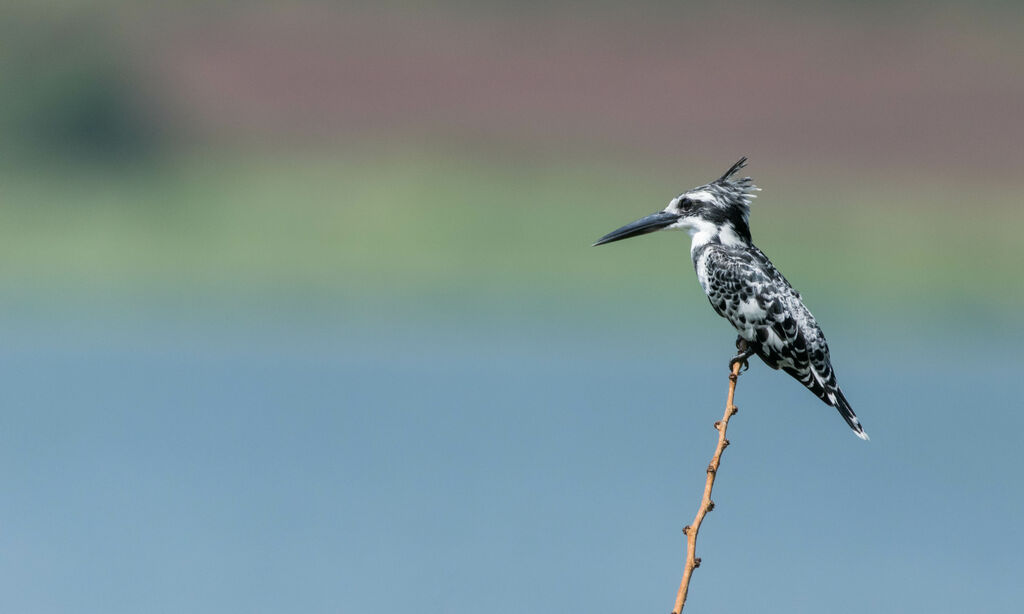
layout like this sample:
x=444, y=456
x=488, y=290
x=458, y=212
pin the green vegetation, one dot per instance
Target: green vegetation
x=415, y=227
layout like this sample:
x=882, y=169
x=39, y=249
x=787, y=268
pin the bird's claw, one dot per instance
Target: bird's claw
x=742, y=361
x=746, y=350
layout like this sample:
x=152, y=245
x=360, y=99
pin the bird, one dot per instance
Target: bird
x=745, y=288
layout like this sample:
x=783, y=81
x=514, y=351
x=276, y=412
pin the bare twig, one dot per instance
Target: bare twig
x=706, y=504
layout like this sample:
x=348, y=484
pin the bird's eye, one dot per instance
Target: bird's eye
x=686, y=204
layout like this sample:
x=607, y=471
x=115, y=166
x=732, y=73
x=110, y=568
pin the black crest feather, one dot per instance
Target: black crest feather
x=734, y=194
x=732, y=170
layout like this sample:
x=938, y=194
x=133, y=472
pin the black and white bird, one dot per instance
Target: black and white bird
x=744, y=287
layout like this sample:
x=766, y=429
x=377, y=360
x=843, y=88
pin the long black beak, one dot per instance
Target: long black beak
x=642, y=226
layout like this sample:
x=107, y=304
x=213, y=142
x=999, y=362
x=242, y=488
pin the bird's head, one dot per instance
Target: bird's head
x=717, y=211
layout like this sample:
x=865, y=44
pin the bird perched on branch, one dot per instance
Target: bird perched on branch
x=744, y=287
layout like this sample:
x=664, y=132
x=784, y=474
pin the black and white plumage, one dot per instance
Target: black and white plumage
x=744, y=286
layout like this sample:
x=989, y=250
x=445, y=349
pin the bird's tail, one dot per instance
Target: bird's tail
x=827, y=389
x=846, y=412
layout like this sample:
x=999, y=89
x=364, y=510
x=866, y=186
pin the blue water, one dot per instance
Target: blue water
x=207, y=464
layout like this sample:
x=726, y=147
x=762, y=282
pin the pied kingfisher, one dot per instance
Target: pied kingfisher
x=744, y=287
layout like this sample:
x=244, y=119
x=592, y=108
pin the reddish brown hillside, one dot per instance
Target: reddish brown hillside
x=942, y=90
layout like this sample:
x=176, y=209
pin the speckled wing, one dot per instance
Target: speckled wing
x=746, y=289
x=760, y=304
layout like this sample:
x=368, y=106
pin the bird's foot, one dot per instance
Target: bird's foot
x=742, y=360
x=745, y=352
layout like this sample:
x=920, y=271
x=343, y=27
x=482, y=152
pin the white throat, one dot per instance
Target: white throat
x=703, y=232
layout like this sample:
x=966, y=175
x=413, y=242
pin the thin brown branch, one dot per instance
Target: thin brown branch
x=706, y=504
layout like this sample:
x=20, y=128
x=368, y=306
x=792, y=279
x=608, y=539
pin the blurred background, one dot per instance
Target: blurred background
x=299, y=314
